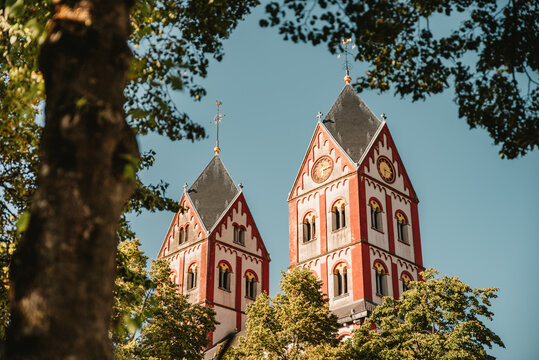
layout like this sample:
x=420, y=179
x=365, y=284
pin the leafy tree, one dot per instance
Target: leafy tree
x=132, y=296
x=491, y=59
x=81, y=64
x=289, y=325
x=174, y=328
x=440, y=318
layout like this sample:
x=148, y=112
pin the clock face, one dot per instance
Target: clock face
x=385, y=169
x=322, y=168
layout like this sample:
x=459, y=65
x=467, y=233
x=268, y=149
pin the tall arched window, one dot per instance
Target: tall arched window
x=405, y=278
x=338, y=215
x=224, y=276
x=376, y=215
x=192, y=277
x=239, y=234
x=402, y=227
x=309, y=227
x=380, y=274
x=340, y=280
x=186, y=233
x=182, y=236
x=250, y=284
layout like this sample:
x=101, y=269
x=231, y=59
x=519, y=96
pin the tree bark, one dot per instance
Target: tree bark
x=62, y=276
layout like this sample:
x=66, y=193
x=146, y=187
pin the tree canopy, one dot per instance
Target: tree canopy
x=438, y=318
x=289, y=325
x=101, y=84
x=489, y=57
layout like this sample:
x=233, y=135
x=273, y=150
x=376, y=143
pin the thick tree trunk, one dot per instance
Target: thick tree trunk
x=63, y=273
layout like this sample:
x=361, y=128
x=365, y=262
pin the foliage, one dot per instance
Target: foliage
x=172, y=42
x=151, y=319
x=436, y=319
x=289, y=325
x=131, y=295
x=408, y=50
x=174, y=328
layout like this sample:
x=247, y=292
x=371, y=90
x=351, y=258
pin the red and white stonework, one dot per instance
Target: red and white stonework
x=368, y=255
x=213, y=243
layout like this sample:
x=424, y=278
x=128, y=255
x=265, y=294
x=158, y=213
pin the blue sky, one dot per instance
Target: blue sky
x=478, y=214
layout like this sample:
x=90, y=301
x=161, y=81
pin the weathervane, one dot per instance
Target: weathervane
x=346, y=51
x=216, y=120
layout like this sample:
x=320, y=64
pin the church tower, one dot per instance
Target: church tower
x=216, y=253
x=353, y=212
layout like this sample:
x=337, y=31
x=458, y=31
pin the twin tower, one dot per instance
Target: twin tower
x=353, y=221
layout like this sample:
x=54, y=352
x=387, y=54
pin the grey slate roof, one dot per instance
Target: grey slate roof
x=351, y=123
x=212, y=192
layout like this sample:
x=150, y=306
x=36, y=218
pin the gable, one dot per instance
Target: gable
x=383, y=145
x=322, y=144
x=239, y=213
x=189, y=217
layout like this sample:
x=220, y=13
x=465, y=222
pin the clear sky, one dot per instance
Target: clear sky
x=479, y=214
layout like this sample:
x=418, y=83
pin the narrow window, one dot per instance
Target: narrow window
x=241, y=236
x=186, y=233
x=338, y=215
x=236, y=233
x=380, y=273
x=182, y=231
x=340, y=280
x=309, y=227
x=224, y=276
x=402, y=227
x=192, y=277
x=405, y=278
x=376, y=215
x=250, y=285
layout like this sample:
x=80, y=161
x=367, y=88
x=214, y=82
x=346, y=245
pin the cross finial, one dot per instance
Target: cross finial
x=319, y=115
x=216, y=120
x=185, y=187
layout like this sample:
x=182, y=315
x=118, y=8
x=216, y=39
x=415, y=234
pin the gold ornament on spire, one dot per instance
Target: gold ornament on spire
x=345, y=42
x=216, y=120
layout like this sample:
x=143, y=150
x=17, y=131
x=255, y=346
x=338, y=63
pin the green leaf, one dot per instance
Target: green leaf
x=23, y=222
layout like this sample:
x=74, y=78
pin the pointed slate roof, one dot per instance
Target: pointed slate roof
x=212, y=192
x=351, y=123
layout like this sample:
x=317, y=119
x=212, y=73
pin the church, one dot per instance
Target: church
x=353, y=222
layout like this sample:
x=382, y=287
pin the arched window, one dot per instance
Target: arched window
x=338, y=215
x=192, y=277
x=376, y=215
x=309, y=227
x=182, y=236
x=380, y=274
x=239, y=234
x=340, y=280
x=250, y=284
x=186, y=233
x=402, y=227
x=405, y=278
x=224, y=276
x=170, y=243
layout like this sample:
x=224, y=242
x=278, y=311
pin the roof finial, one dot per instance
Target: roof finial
x=319, y=115
x=345, y=42
x=384, y=116
x=185, y=187
x=216, y=120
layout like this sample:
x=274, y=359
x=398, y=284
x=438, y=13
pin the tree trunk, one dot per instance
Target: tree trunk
x=63, y=273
